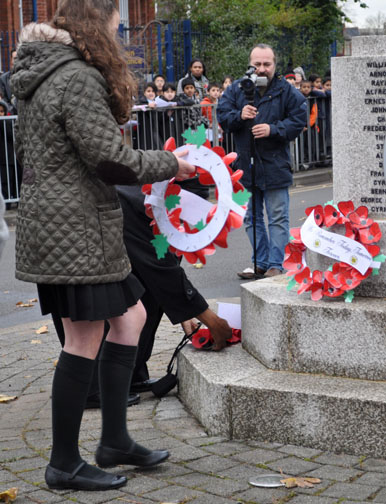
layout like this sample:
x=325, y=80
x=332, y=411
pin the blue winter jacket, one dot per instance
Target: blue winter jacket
x=285, y=110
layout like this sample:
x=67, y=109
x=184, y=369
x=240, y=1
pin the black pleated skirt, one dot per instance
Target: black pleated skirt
x=91, y=301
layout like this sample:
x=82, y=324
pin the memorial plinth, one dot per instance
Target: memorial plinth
x=313, y=373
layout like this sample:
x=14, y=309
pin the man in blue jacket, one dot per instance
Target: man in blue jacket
x=277, y=116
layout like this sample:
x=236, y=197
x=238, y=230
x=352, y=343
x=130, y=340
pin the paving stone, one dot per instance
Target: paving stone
x=212, y=464
x=212, y=499
x=174, y=493
x=259, y=456
x=218, y=486
x=373, y=464
x=262, y=495
x=299, y=451
x=267, y=445
x=244, y=472
x=139, y=484
x=338, y=459
x=25, y=464
x=133, y=499
x=335, y=473
x=372, y=478
x=310, y=499
x=165, y=470
x=381, y=495
x=204, y=441
x=186, y=453
x=41, y=496
x=6, y=476
x=350, y=491
x=99, y=497
x=293, y=466
x=226, y=448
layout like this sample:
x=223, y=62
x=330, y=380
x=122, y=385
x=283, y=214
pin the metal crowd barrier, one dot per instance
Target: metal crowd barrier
x=10, y=170
x=149, y=128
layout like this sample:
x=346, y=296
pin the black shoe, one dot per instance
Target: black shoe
x=94, y=401
x=143, y=386
x=60, y=480
x=110, y=457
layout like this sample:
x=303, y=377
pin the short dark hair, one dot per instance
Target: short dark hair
x=168, y=85
x=326, y=79
x=151, y=85
x=313, y=77
x=213, y=84
x=188, y=81
x=196, y=60
x=305, y=81
x=159, y=75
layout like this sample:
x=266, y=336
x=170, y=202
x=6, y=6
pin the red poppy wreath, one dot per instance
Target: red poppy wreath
x=186, y=224
x=356, y=253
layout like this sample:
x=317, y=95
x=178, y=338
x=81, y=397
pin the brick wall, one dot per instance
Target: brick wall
x=141, y=12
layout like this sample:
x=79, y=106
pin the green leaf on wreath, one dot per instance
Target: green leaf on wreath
x=331, y=202
x=241, y=197
x=291, y=284
x=161, y=245
x=172, y=201
x=380, y=258
x=195, y=137
x=291, y=238
x=200, y=225
x=329, y=268
x=375, y=272
x=349, y=296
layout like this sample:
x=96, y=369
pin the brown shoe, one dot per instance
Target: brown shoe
x=272, y=272
x=248, y=274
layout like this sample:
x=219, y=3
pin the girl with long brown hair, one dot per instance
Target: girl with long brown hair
x=73, y=88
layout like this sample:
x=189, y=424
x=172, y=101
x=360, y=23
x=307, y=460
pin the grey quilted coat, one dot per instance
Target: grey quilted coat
x=69, y=224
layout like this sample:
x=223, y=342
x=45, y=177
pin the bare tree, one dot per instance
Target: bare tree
x=376, y=23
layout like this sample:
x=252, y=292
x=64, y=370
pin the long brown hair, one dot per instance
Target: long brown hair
x=87, y=21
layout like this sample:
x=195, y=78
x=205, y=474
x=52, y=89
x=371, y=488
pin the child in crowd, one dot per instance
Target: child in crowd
x=327, y=84
x=169, y=121
x=168, y=92
x=227, y=81
x=3, y=108
x=316, y=82
x=149, y=94
x=306, y=89
x=290, y=77
x=214, y=92
x=159, y=81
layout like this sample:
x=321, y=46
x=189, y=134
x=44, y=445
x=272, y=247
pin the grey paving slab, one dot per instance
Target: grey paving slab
x=381, y=495
x=350, y=491
x=141, y=484
x=218, y=486
x=213, y=499
x=372, y=478
x=373, y=464
x=213, y=464
x=174, y=493
x=225, y=448
x=310, y=499
x=299, y=451
x=263, y=495
x=259, y=456
x=338, y=459
x=335, y=473
x=293, y=466
x=244, y=472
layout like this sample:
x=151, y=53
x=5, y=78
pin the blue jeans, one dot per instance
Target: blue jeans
x=269, y=251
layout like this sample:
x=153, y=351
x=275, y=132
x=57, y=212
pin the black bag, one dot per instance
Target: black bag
x=165, y=384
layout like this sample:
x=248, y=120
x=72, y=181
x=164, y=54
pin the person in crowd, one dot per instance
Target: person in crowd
x=5, y=87
x=192, y=117
x=277, y=116
x=3, y=226
x=169, y=121
x=149, y=95
x=159, y=81
x=326, y=84
x=169, y=92
x=227, y=81
x=214, y=92
x=309, y=136
x=3, y=108
x=299, y=76
x=316, y=82
x=71, y=78
x=148, y=133
x=290, y=76
x=197, y=73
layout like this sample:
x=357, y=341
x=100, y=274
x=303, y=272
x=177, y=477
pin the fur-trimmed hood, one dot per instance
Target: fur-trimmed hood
x=41, y=50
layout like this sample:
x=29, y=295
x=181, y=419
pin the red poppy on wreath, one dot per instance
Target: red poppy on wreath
x=174, y=226
x=358, y=254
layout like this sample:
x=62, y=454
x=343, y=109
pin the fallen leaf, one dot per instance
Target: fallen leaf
x=42, y=330
x=7, y=399
x=36, y=342
x=198, y=265
x=300, y=482
x=9, y=495
x=34, y=300
x=20, y=304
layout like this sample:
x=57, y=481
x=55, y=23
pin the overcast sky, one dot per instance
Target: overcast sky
x=359, y=15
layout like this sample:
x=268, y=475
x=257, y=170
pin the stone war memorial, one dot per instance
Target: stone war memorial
x=313, y=373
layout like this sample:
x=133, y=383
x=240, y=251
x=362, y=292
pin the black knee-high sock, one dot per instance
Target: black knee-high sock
x=115, y=370
x=69, y=392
